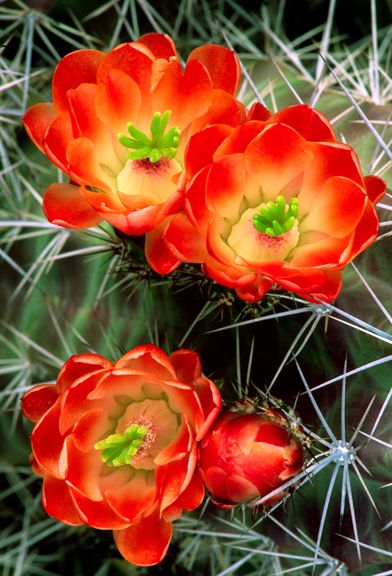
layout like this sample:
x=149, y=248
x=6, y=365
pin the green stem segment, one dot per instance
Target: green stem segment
x=157, y=146
x=276, y=218
x=119, y=449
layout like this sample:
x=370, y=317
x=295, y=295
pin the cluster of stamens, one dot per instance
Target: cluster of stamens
x=158, y=145
x=119, y=449
x=276, y=218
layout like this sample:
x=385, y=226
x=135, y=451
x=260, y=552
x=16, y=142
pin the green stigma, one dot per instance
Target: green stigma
x=159, y=145
x=119, y=449
x=276, y=218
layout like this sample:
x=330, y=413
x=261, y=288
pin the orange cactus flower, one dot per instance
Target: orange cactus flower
x=276, y=201
x=246, y=456
x=119, y=124
x=117, y=444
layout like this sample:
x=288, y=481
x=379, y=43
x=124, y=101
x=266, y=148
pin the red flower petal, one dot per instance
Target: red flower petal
x=240, y=488
x=190, y=499
x=85, y=122
x=223, y=109
x=105, y=204
x=84, y=164
x=134, y=499
x=47, y=442
x=228, y=275
x=328, y=160
x=176, y=450
x=119, y=382
x=258, y=112
x=77, y=399
x=148, y=359
x=247, y=283
x=187, y=365
x=323, y=252
x=188, y=368
x=173, y=478
x=183, y=240
x=216, y=480
x=313, y=285
x=239, y=139
x=118, y=100
x=177, y=477
x=132, y=59
x=133, y=223
x=191, y=91
x=97, y=514
x=35, y=466
x=38, y=400
x=74, y=69
x=83, y=470
x=161, y=45
x=58, y=503
x=195, y=202
x=262, y=478
x=37, y=121
x=366, y=231
x=226, y=184
x=158, y=254
x=222, y=64
x=276, y=158
x=91, y=427
x=211, y=402
x=78, y=366
x=138, y=202
x=254, y=291
x=328, y=291
x=82, y=113
x=339, y=207
x=63, y=205
x=57, y=139
x=270, y=433
x=217, y=247
x=146, y=542
x=194, y=96
x=375, y=187
x=166, y=88
x=173, y=205
x=311, y=124
x=202, y=146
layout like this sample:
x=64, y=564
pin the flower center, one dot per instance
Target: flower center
x=276, y=218
x=158, y=145
x=119, y=449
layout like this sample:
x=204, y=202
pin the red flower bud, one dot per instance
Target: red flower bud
x=246, y=456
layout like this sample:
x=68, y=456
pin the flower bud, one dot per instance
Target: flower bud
x=246, y=456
